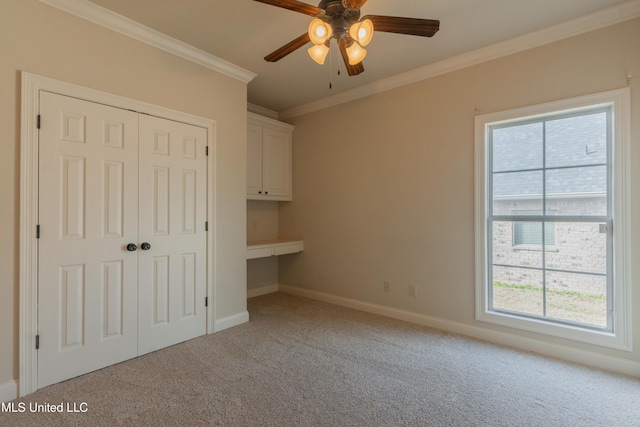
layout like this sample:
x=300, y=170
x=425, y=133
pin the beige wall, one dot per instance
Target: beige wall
x=42, y=40
x=262, y=224
x=385, y=184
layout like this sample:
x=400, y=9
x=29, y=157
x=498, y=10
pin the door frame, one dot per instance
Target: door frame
x=32, y=84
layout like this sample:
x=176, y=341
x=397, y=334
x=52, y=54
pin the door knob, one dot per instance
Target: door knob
x=131, y=247
x=145, y=246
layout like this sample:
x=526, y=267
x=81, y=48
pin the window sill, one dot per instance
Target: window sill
x=572, y=332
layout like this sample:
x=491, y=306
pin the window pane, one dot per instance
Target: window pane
x=517, y=147
x=530, y=233
x=517, y=192
x=518, y=289
x=576, y=141
x=504, y=251
x=577, y=191
x=577, y=297
x=579, y=247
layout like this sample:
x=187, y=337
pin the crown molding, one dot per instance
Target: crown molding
x=253, y=108
x=595, y=21
x=118, y=23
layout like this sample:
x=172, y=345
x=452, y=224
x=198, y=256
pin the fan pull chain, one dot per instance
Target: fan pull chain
x=330, y=66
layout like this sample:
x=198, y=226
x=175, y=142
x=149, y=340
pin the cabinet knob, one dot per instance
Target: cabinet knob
x=131, y=247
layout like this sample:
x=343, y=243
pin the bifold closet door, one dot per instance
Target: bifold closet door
x=173, y=207
x=88, y=204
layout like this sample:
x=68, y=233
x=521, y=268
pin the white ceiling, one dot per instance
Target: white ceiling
x=244, y=31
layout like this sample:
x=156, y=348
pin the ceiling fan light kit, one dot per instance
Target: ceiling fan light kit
x=362, y=32
x=318, y=52
x=340, y=19
x=319, y=31
x=356, y=53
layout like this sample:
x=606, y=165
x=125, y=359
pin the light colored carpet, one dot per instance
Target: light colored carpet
x=300, y=362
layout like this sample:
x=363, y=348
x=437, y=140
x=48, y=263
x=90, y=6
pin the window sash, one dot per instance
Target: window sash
x=545, y=218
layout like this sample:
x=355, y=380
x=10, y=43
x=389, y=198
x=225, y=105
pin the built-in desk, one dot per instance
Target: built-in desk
x=267, y=248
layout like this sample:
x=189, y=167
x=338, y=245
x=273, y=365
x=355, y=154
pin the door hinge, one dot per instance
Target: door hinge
x=38, y=122
x=206, y=301
x=206, y=150
x=38, y=231
x=37, y=342
x=206, y=226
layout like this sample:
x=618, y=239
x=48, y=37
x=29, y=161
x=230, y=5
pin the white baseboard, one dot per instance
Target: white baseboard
x=230, y=321
x=596, y=360
x=264, y=290
x=8, y=391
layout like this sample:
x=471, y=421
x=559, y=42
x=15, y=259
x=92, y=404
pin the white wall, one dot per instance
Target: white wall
x=385, y=184
x=42, y=40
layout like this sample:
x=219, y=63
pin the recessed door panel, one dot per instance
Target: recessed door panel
x=113, y=182
x=112, y=288
x=72, y=181
x=72, y=306
x=189, y=285
x=189, y=203
x=160, y=201
x=160, y=284
x=113, y=134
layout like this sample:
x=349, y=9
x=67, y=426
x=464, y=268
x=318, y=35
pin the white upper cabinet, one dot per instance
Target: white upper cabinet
x=268, y=159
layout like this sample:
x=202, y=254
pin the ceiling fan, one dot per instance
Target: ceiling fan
x=340, y=19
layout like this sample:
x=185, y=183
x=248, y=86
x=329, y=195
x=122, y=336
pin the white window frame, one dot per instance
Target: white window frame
x=621, y=335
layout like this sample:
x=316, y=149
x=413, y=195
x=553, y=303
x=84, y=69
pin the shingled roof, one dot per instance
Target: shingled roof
x=575, y=151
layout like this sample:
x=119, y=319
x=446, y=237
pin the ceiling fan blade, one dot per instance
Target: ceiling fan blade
x=296, y=6
x=285, y=50
x=352, y=70
x=411, y=26
x=353, y=4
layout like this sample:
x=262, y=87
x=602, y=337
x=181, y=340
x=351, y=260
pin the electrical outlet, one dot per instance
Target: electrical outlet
x=413, y=290
x=386, y=286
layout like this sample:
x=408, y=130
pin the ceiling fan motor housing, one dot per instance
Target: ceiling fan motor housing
x=339, y=17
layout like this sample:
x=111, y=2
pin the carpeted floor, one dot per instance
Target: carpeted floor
x=300, y=362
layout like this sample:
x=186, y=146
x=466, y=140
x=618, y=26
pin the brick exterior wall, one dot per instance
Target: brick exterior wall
x=578, y=247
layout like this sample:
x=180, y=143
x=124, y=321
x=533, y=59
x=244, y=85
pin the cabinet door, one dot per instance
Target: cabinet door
x=276, y=163
x=254, y=160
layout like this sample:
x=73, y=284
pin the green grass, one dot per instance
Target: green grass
x=598, y=297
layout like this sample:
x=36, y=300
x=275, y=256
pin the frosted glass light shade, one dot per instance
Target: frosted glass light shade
x=319, y=31
x=318, y=53
x=362, y=32
x=356, y=53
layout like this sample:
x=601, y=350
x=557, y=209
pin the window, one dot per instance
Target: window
x=552, y=186
x=529, y=234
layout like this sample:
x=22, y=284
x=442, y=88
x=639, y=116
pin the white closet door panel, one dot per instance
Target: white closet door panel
x=172, y=205
x=87, y=309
